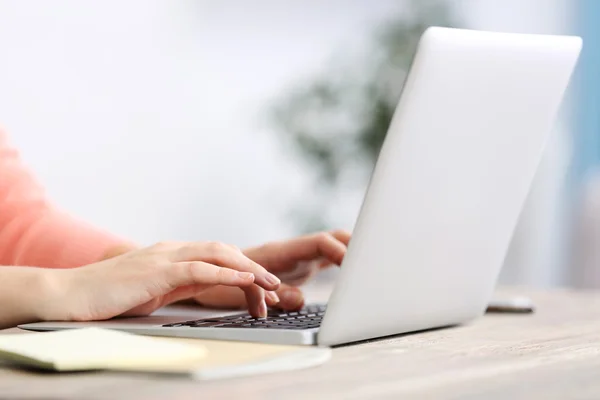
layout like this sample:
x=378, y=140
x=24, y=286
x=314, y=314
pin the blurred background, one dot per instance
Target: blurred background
x=247, y=121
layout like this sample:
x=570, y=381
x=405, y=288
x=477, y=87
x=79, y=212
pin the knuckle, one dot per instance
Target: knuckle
x=193, y=271
x=217, y=251
x=224, y=274
x=339, y=232
x=235, y=248
x=216, y=247
x=164, y=244
x=192, y=268
x=322, y=237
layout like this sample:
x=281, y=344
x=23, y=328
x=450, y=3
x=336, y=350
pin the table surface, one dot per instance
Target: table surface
x=551, y=354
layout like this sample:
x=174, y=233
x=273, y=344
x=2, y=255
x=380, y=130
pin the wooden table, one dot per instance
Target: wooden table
x=551, y=354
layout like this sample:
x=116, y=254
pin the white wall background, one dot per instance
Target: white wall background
x=144, y=117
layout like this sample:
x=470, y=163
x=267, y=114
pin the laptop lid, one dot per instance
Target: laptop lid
x=450, y=182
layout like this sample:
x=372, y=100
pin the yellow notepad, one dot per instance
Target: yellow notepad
x=103, y=349
x=94, y=348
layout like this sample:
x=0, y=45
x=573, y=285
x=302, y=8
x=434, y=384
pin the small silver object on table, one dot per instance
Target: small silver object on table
x=511, y=305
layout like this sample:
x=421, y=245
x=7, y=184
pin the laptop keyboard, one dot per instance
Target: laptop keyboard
x=307, y=318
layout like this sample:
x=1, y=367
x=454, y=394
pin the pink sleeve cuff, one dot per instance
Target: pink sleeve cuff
x=56, y=240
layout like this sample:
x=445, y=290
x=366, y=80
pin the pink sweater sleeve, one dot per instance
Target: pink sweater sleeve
x=32, y=231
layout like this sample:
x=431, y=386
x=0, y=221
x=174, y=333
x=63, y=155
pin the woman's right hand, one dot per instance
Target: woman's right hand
x=141, y=281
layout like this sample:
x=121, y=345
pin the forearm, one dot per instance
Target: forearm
x=25, y=293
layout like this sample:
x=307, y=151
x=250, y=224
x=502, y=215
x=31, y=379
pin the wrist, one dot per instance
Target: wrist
x=49, y=286
x=29, y=294
x=117, y=250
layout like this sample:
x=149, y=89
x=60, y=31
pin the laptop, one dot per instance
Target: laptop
x=442, y=203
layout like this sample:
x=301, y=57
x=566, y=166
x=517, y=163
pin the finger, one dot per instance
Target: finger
x=184, y=292
x=302, y=272
x=226, y=256
x=290, y=298
x=271, y=298
x=255, y=297
x=342, y=235
x=329, y=247
x=202, y=273
x=311, y=247
x=222, y=297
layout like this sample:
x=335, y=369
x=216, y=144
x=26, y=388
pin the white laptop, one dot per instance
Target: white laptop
x=442, y=204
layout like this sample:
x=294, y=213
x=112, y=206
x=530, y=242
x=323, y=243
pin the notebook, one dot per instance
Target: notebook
x=102, y=349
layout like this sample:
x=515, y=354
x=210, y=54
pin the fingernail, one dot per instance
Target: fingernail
x=272, y=279
x=273, y=297
x=262, y=309
x=291, y=297
x=245, y=275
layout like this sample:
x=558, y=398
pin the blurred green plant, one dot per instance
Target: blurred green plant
x=336, y=123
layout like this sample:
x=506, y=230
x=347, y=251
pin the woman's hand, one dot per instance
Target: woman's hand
x=141, y=281
x=294, y=261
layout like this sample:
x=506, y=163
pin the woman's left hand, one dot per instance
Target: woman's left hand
x=294, y=261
